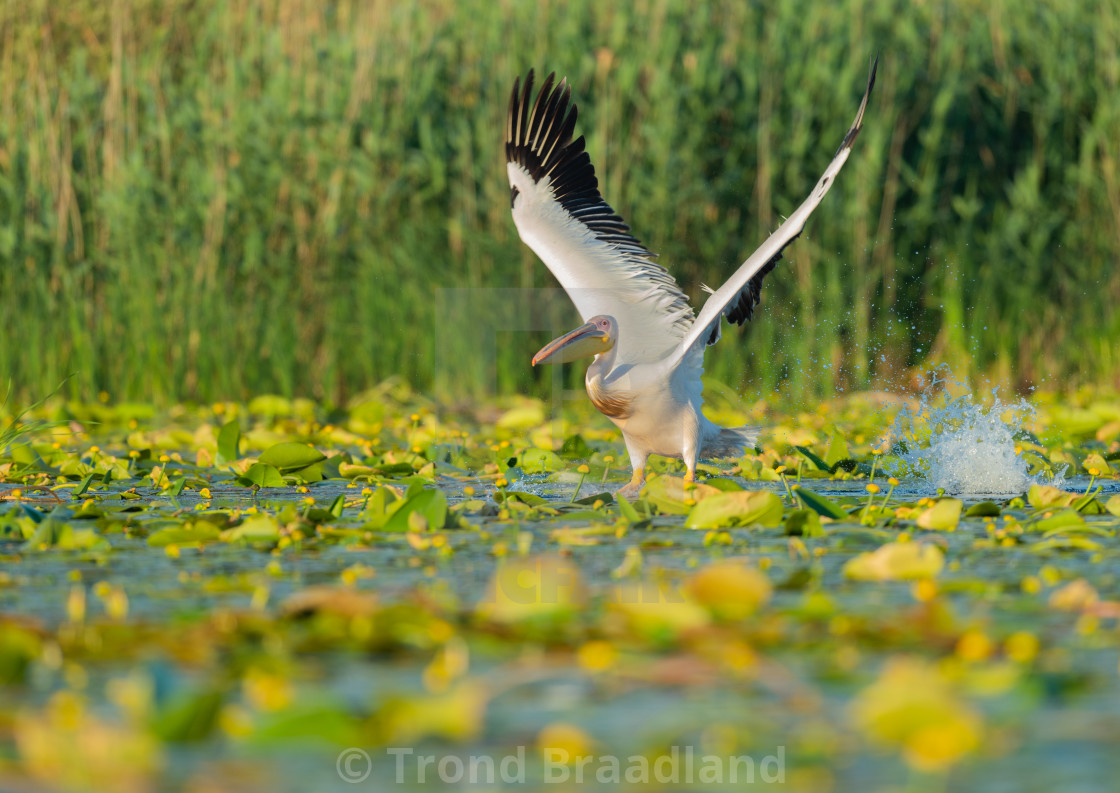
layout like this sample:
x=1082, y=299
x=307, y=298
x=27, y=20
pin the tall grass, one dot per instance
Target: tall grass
x=204, y=199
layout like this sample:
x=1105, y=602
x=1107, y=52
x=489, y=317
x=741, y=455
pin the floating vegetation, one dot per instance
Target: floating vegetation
x=256, y=598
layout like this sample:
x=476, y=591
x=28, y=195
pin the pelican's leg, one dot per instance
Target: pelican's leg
x=638, y=462
x=690, y=464
x=691, y=453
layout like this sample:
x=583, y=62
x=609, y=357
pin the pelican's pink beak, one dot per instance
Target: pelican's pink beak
x=584, y=341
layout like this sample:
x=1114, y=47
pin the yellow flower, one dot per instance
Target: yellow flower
x=974, y=645
x=597, y=655
x=892, y=482
x=266, y=691
x=872, y=488
x=730, y=590
x=563, y=743
x=1021, y=646
x=583, y=469
x=912, y=707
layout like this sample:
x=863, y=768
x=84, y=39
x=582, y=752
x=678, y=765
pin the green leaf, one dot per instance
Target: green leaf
x=429, y=503
x=270, y=405
x=944, y=515
x=196, y=533
x=1088, y=505
x=229, y=443
x=985, y=509
x=310, y=723
x=376, y=511
x=804, y=523
x=189, y=717
x=724, y=484
x=814, y=459
x=394, y=469
x=312, y=473
x=744, y=508
x=1062, y=519
x=575, y=447
x=84, y=486
x=837, y=450
x=30, y=511
x=667, y=493
x=291, y=456
x=1040, y=496
x=626, y=509
x=1113, y=505
x=820, y=504
x=1097, y=462
x=351, y=471
x=1083, y=528
x=52, y=533
x=850, y=465
x=261, y=475
x=540, y=461
x=896, y=561
x=337, y=506
x=259, y=528
x=1061, y=543
x=531, y=499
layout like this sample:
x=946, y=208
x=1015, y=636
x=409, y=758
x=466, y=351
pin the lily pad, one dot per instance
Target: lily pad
x=743, y=508
x=896, y=561
x=291, y=456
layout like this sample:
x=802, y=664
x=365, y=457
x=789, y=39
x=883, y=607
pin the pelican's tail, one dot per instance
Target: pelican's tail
x=730, y=442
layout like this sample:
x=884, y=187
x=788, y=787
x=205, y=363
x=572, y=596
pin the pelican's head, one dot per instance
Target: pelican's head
x=594, y=337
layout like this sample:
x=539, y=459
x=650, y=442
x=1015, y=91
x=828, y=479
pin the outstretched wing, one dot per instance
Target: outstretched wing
x=737, y=298
x=559, y=213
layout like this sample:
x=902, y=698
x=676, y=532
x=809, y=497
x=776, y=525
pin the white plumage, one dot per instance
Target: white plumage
x=647, y=342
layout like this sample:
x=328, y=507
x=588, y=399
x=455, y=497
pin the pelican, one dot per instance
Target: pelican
x=647, y=342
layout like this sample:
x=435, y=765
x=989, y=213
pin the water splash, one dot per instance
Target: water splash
x=959, y=445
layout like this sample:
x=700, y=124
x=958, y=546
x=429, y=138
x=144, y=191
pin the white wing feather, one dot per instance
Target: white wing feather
x=561, y=216
x=705, y=329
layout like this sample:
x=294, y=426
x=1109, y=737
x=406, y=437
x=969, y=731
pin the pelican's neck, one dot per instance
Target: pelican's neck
x=603, y=364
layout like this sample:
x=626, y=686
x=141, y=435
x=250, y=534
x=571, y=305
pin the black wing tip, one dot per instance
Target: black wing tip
x=540, y=138
x=857, y=125
x=539, y=132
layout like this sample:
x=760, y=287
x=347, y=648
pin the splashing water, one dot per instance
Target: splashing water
x=961, y=446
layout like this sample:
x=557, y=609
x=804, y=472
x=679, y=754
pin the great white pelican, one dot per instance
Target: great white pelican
x=647, y=342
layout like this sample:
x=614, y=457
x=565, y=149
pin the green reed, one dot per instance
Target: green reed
x=212, y=199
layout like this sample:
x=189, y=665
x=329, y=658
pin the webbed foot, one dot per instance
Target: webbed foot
x=633, y=488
